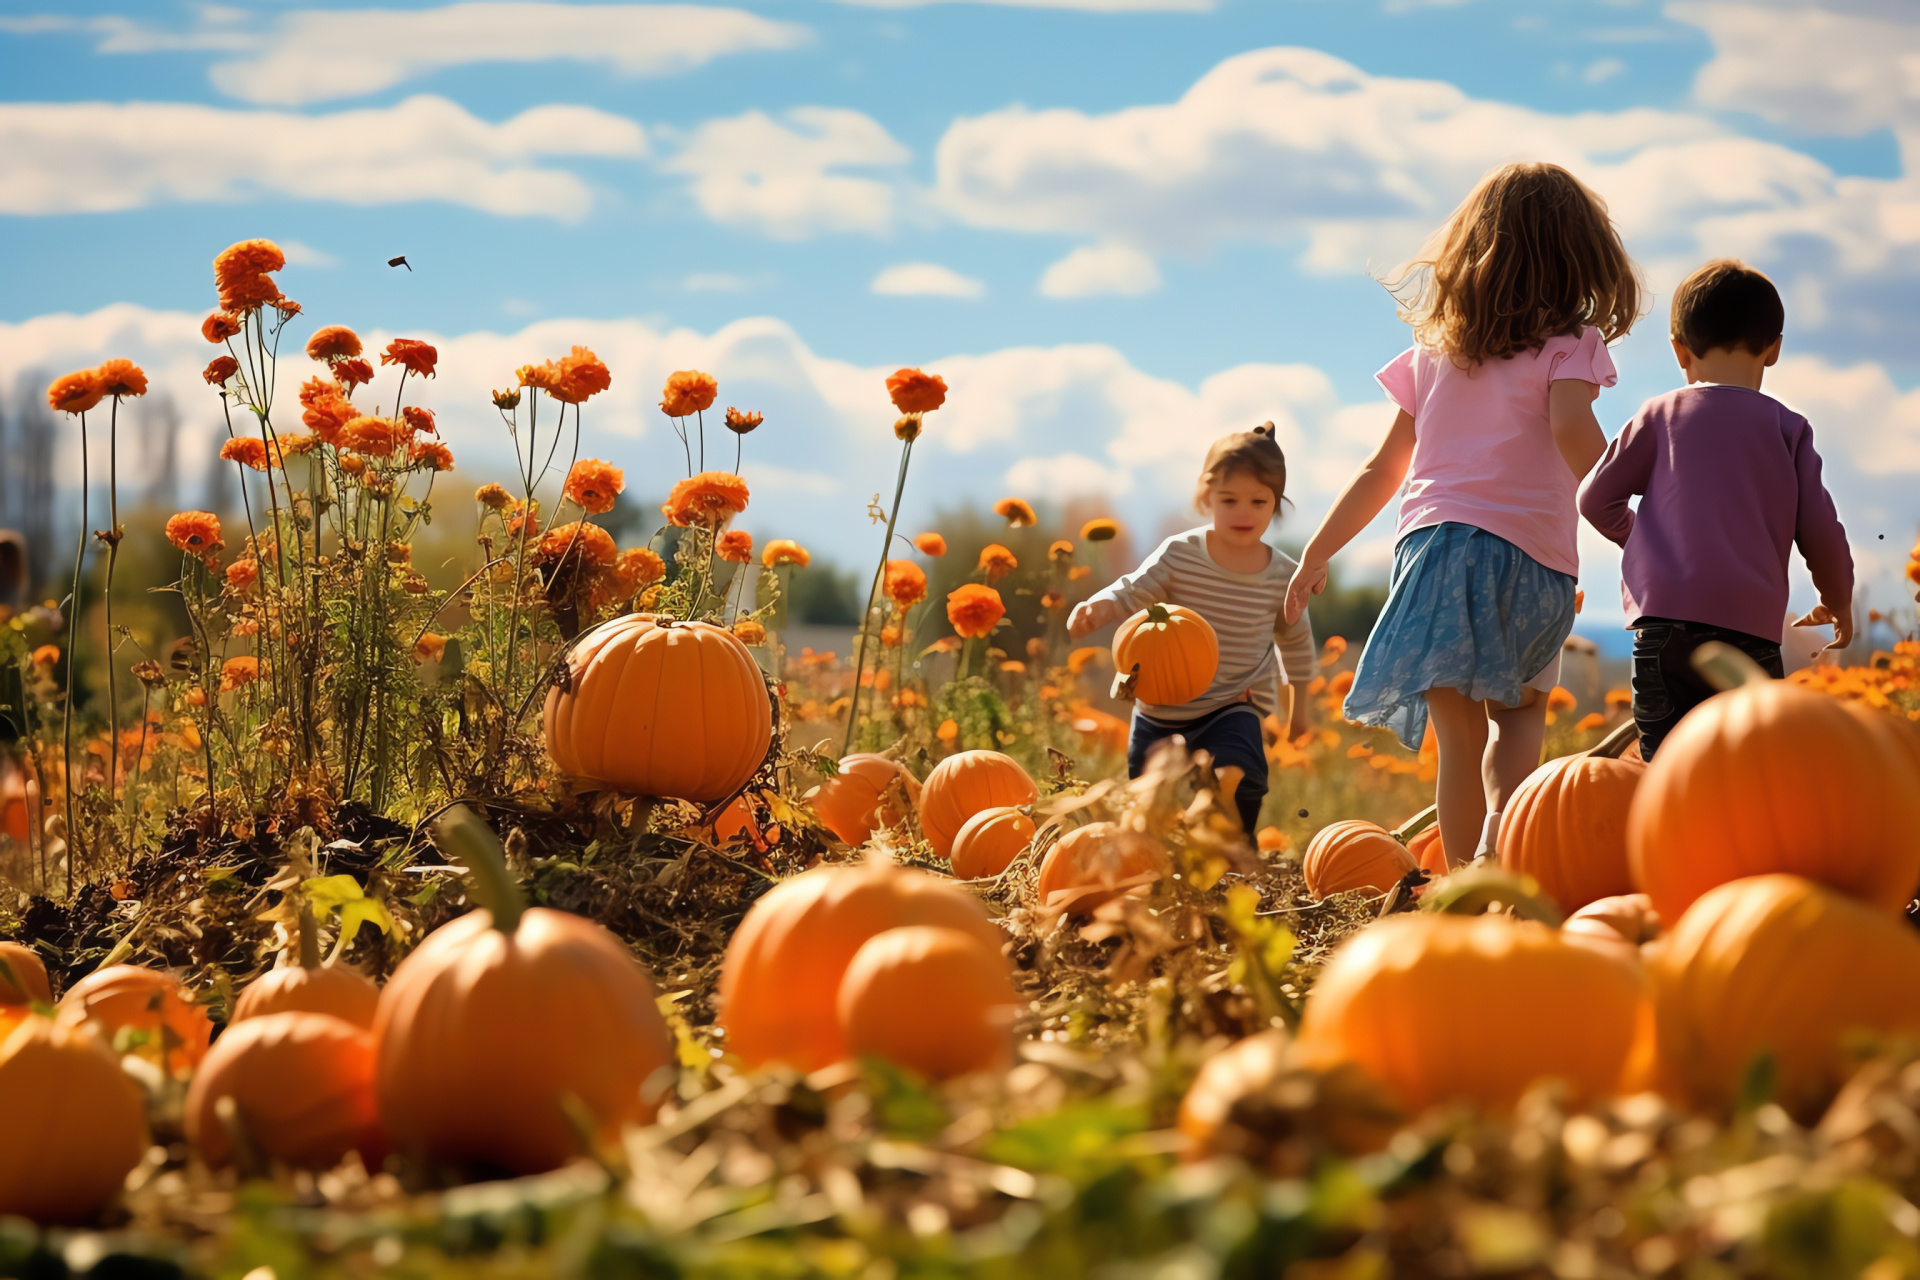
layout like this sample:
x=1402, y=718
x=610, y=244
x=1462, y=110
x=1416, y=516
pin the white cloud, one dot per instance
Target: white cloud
x=926, y=280
x=1067, y=476
x=1095, y=270
x=89, y=157
x=1602, y=70
x=1084, y=6
x=779, y=176
x=300, y=254
x=717, y=282
x=1834, y=68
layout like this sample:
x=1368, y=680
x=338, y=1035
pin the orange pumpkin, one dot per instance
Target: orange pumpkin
x=1566, y=826
x=23, y=976
x=1428, y=853
x=990, y=842
x=14, y=821
x=142, y=1011
x=502, y=1020
x=1772, y=777
x=939, y=1001
x=1172, y=652
x=1240, y=1070
x=1440, y=1008
x=853, y=802
x=1354, y=855
x=303, y=1087
x=661, y=708
x=1627, y=920
x=76, y=1125
x=1090, y=866
x=736, y=822
x=780, y=979
x=308, y=987
x=964, y=784
x=1782, y=965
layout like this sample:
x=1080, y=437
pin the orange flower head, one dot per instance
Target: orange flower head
x=1100, y=530
x=916, y=392
x=688, y=391
x=219, y=326
x=997, y=562
x=583, y=375
x=785, y=551
x=240, y=273
x=1339, y=685
x=242, y=294
x=642, y=564
x=1561, y=699
x=46, y=656
x=335, y=342
x=414, y=356
x=506, y=401
x=589, y=542
x=353, y=373
x=974, y=610
x=947, y=732
x=219, y=370
x=541, y=377
x=1079, y=571
x=709, y=499
x=352, y=463
x=750, y=632
x=430, y=647
x=1619, y=699
x=1059, y=551
x=430, y=454
x=286, y=306
x=1591, y=721
x=1053, y=600
x=375, y=437
x=1080, y=659
x=905, y=583
x=238, y=672
x=418, y=419
x=734, y=546
x=247, y=451
x=493, y=497
x=1333, y=650
x=75, y=392
x=907, y=426
x=1014, y=667
x=931, y=544
x=595, y=484
x=1017, y=512
x=243, y=573
x=523, y=517
x=327, y=412
x=740, y=423
x=195, y=532
x=122, y=378
x=891, y=635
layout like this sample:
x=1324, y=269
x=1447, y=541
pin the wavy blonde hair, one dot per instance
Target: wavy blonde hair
x=1531, y=254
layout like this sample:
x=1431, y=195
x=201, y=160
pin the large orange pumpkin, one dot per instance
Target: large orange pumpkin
x=939, y=1001
x=1566, y=826
x=303, y=1087
x=1171, y=651
x=1440, y=1008
x=502, y=1020
x=661, y=708
x=23, y=976
x=144, y=1012
x=1428, y=853
x=1354, y=855
x=1781, y=965
x=1090, y=866
x=1626, y=922
x=76, y=1124
x=964, y=784
x=854, y=801
x=1773, y=777
x=990, y=841
x=308, y=987
x=780, y=979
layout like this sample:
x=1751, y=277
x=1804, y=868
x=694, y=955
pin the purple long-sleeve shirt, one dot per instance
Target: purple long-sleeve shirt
x=1730, y=482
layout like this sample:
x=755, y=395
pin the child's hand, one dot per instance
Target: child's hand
x=1310, y=579
x=1821, y=616
x=1091, y=615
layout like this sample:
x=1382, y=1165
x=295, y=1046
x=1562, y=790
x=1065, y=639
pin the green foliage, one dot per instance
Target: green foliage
x=825, y=595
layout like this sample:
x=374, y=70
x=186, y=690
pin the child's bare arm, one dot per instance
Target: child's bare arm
x=1371, y=488
x=1575, y=430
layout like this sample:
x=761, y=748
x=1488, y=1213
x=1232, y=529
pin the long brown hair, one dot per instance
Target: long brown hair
x=1530, y=255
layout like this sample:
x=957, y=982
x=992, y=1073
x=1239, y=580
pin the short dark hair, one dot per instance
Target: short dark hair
x=1727, y=304
x=1254, y=453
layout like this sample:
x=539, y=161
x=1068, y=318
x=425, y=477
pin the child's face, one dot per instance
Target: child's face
x=1241, y=508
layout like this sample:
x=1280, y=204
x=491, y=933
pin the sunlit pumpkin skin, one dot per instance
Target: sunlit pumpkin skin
x=1090, y=866
x=990, y=841
x=173, y=1031
x=1625, y=921
x=330, y=989
x=853, y=803
x=1771, y=777
x=938, y=1001
x=76, y=1123
x=303, y=1085
x=1566, y=826
x=1783, y=965
x=780, y=979
x=1428, y=853
x=1175, y=650
x=661, y=708
x=482, y=1035
x=1440, y=1008
x=964, y=784
x=1344, y=856
x=23, y=976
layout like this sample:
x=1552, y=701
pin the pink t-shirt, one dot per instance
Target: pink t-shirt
x=1483, y=451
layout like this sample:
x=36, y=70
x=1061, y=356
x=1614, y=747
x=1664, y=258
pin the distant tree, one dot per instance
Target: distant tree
x=825, y=595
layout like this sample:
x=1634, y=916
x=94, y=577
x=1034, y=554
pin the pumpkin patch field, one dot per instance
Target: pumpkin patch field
x=569, y=916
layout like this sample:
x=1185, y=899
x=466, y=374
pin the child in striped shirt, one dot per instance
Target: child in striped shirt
x=1225, y=572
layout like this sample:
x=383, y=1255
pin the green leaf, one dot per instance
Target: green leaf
x=1070, y=1138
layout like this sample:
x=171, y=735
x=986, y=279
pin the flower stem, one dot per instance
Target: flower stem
x=73, y=635
x=873, y=592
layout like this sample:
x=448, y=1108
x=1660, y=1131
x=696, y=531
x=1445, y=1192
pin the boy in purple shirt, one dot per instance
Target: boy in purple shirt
x=1730, y=482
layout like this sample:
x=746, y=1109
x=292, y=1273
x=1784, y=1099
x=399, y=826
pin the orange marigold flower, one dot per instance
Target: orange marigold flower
x=945, y=644
x=592, y=544
x=506, y=400
x=1339, y=685
x=1333, y=650
x=1619, y=699
x=642, y=564
x=688, y=391
x=248, y=293
x=492, y=496
x=335, y=342
x=195, y=532
x=235, y=672
x=734, y=546
x=1053, y=600
x=327, y=412
x=583, y=375
x=1272, y=840
x=1061, y=550
x=916, y=392
x=947, y=732
x=352, y=463
x=414, y=356
x=196, y=696
x=219, y=370
x=418, y=419
x=243, y=573
x=891, y=635
x=974, y=610
x=286, y=306
x=522, y=516
x=246, y=451
x=75, y=392
x=1013, y=666
x=785, y=551
x=1078, y=572
x=430, y=454
x=594, y=484
x=750, y=632
x=1561, y=699
x=372, y=436
x=1080, y=659
x=353, y=373
x=219, y=326
x=430, y=647
x=905, y=583
x=541, y=377
x=1100, y=530
x=931, y=544
x=708, y=499
x=1591, y=721
x=740, y=423
x=120, y=377
x=1017, y=512
x=46, y=655
x=907, y=426
x=249, y=257
x=997, y=562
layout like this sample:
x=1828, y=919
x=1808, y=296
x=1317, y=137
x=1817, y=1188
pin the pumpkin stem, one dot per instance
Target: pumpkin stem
x=463, y=834
x=309, y=936
x=1158, y=615
x=1725, y=667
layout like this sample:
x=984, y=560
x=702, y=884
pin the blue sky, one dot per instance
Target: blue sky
x=1119, y=227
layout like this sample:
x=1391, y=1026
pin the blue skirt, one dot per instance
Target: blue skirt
x=1466, y=610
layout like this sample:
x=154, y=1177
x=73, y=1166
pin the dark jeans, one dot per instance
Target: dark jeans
x=1230, y=735
x=1665, y=685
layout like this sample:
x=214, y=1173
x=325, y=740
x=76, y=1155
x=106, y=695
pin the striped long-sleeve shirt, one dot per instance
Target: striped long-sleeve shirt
x=1245, y=612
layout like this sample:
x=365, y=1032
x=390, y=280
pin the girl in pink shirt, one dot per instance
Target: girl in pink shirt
x=1516, y=297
